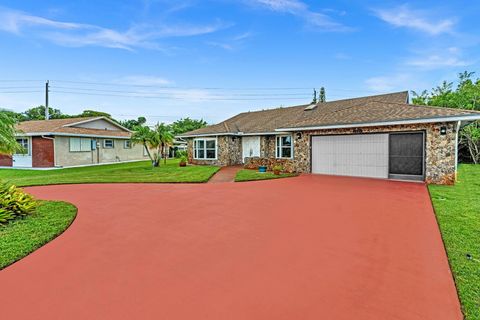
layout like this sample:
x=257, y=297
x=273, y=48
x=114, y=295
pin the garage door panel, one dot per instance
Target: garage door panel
x=351, y=155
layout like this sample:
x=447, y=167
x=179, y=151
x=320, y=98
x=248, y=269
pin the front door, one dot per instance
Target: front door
x=250, y=147
x=24, y=158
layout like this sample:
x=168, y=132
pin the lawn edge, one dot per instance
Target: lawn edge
x=53, y=238
x=462, y=309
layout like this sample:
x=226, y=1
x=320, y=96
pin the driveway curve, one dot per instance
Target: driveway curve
x=310, y=247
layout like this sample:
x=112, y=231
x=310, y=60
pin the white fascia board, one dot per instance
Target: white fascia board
x=206, y=135
x=62, y=134
x=470, y=117
x=238, y=134
x=262, y=133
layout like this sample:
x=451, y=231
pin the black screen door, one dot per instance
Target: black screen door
x=406, y=152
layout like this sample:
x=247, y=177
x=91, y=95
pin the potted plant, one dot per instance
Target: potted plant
x=277, y=169
x=183, y=161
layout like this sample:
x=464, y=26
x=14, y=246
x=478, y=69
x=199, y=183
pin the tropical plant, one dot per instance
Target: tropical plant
x=181, y=153
x=165, y=138
x=183, y=161
x=8, y=143
x=14, y=203
x=146, y=137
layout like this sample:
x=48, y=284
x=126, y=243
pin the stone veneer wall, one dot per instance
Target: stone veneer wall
x=229, y=152
x=440, y=149
x=439, y=159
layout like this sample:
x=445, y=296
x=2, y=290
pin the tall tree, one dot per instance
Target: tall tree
x=465, y=96
x=8, y=142
x=132, y=123
x=314, y=99
x=94, y=113
x=321, y=95
x=38, y=113
x=186, y=125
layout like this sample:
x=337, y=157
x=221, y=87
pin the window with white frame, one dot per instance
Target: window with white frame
x=127, y=144
x=284, y=146
x=24, y=143
x=80, y=144
x=108, y=144
x=205, y=149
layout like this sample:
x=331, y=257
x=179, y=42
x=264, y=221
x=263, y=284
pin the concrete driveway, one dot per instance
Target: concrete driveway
x=311, y=247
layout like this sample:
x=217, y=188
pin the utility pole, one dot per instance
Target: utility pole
x=47, y=115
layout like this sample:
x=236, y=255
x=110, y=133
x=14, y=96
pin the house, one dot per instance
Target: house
x=73, y=142
x=380, y=136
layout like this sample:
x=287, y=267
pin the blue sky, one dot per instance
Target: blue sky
x=212, y=59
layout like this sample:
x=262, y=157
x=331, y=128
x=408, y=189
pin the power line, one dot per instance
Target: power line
x=173, y=98
x=177, y=92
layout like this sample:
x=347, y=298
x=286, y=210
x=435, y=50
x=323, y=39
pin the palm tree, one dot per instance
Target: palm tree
x=148, y=138
x=165, y=138
x=8, y=142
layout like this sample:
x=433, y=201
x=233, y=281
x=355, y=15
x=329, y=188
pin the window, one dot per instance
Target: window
x=127, y=144
x=284, y=147
x=24, y=143
x=80, y=144
x=205, y=148
x=108, y=144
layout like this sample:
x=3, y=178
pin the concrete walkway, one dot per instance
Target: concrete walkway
x=307, y=248
x=225, y=174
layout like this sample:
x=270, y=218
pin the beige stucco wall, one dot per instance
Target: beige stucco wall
x=65, y=158
x=98, y=124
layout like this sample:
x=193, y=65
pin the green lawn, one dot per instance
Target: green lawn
x=22, y=236
x=458, y=214
x=252, y=175
x=121, y=172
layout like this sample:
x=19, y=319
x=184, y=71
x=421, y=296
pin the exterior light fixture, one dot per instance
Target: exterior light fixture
x=443, y=131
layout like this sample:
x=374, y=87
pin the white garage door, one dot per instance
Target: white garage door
x=363, y=155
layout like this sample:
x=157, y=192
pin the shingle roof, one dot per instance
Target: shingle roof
x=379, y=108
x=61, y=126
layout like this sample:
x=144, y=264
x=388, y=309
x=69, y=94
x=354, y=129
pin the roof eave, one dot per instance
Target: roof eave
x=470, y=117
x=63, y=134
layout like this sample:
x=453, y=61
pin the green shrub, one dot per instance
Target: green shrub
x=14, y=203
x=184, y=159
x=180, y=154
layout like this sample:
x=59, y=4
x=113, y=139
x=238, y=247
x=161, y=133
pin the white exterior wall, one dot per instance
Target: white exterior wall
x=98, y=124
x=65, y=158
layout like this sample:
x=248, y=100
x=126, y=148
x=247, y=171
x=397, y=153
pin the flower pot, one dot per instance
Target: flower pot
x=276, y=172
x=182, y=164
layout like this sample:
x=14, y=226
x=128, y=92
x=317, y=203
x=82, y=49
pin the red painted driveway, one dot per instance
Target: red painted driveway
x=311, y=247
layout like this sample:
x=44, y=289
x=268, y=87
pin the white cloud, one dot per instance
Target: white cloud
x=389, y=83
x=403, y=16
x=301, y=10
x=143, y=80
x=80, y=34
x=445, y=58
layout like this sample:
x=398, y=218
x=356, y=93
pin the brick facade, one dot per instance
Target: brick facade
x=6, y=160
x=42, y=153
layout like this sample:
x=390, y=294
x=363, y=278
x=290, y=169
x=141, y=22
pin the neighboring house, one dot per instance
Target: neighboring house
x=73, y=142
x=379, y=136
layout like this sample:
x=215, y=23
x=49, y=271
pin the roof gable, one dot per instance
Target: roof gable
x=74, y=126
